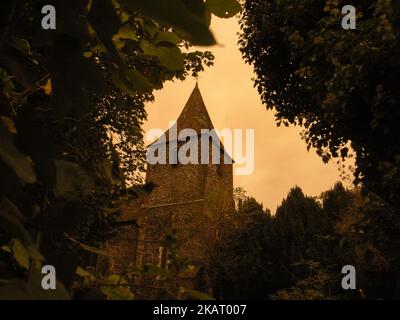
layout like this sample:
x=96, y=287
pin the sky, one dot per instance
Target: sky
x=281, y=157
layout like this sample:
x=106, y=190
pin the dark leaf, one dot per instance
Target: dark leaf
x=175, y=13
x=224, y=8
x=72, y=182
x=12, y=157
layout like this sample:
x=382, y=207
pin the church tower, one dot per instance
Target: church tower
x=190, y=199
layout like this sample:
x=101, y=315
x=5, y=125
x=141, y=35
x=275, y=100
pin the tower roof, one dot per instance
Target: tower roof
x=195, y=115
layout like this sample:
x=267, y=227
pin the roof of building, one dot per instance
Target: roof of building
x=193, y=116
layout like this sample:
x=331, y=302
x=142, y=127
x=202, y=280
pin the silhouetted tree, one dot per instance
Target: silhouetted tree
x=341, y=85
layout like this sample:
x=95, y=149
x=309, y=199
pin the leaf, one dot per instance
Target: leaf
x=200, y=10
x=20, y=253
x=131, y=82
x=148, y=47
x=47, y=87
x=16, y=289
x=32, y=289
x=12, y=157
x=34, y=286
x=138, y=80
x=34, y=253
x=115, y=292
x=6, y=249
x=11, y=221
x=72, y=181
x=124, y=17
x=126, y=32
x=175, y=13
x=7, y=85
x=150, y=27
x=165, y=36
x=83, y=273
x=194, y=294
x=122, y=85
x=106, y=23
x=21, y=45
x=73, y=77
x=38, y=143
x=119, y=43
x=170, y=56
x=9, y=123
x=224, y=8
x=22, y=69
x=5, y=105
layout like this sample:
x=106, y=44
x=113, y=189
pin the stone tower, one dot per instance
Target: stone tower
x=189, y=200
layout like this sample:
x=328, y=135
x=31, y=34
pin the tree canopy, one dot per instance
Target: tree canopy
x=298, y=253
x=340, y=85
x=71, y=106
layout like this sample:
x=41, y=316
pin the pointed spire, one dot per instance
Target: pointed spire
x=195, y=115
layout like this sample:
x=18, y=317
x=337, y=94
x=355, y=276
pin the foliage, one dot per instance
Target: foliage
x=299, y=252
x=71, y=109
x=314, y=287
x=239, y=260
x=123, y=285
x=340, y=85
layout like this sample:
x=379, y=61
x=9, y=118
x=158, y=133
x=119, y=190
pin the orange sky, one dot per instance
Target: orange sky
x=281, y=157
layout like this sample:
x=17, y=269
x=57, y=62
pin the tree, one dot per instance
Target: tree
x=71, y=106
x=298, y=224
x=239, y=267
x=367, y=232
x=340, y=85
x=299, y=252
x=316, y=285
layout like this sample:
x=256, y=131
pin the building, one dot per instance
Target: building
x=185, y=210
